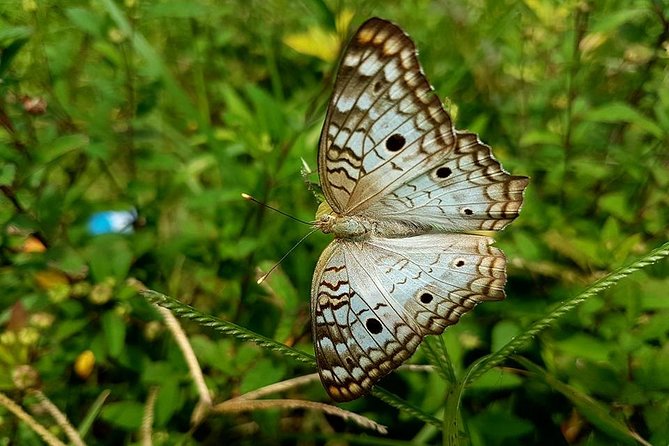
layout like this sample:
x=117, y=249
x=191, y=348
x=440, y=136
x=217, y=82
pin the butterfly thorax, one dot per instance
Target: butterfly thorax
x=359, y=228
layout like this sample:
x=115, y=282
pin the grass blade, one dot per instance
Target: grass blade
x=187, y=312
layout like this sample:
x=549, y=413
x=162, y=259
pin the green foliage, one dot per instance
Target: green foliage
x=175, y=108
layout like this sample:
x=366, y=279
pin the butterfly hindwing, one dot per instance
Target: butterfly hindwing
x=384, y=121
x=351, y=353
x=374, y=301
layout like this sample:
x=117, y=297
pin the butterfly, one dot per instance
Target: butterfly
x=403, y=192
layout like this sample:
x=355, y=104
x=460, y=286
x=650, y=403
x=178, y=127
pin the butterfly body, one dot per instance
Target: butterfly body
x=404, y=190
x=356, y=227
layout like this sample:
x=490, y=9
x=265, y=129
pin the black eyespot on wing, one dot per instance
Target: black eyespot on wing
x=373, y=325
x=378, y=85
x=460, y=263
x=395, y=142
x=468, y=211
x=443, y=172
x=349, y=361
x=426, y=298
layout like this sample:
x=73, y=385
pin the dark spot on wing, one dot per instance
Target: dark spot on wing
x=395, y=142
x=373, y=325
x=426, y=298
x=443, y=172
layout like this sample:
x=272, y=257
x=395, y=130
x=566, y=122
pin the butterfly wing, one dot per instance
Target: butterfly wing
x=374, y=301
x=384, y=122
x=388, y=152
x=467, y=190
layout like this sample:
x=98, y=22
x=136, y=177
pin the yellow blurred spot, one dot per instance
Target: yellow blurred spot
x=33, y=244
x=116, y=35
x=320, y=43
x=638, y=54
x=591, y=42
x=83, y=365
x=343, y=20
x=29, y=5
x=102, y=292
x=469, y=341
x=8, y=338
x=28, y=336
x=550, y=14
x=315, y=42
x=50, y=278
x=42, y=320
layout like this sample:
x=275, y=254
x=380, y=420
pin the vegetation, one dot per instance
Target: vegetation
x=172, y=109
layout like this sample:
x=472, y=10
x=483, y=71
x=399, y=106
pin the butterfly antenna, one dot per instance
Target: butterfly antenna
x=250, y=198
x=264, y=276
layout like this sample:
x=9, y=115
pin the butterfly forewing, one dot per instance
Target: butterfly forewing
x=467, y=191
x=384, y=121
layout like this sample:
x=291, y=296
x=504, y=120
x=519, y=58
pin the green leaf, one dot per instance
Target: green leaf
x=621, y=112
x=69, y=327
x=180, y=9
x=238, y=250
x=114, y=330
x=12, y=39
x=52, y=150
x=539, y=137
x=85, y=20
x=613, y=20
x=92, y=413
x=502, y=333
x=653, y=294
x=168, y=401
x=126, y=415
x=264, y=372
x=9, y=34
x=618, y=205
x=7, y=174
x=585, y=346
x=109, y=255
x=284, y=296
x=652, y=367
x=497, y=379
x=498, y=425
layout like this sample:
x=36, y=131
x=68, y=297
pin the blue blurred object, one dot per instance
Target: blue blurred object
x=112, y=222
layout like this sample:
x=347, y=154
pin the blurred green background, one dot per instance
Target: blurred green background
x=174, y=108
